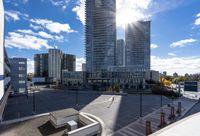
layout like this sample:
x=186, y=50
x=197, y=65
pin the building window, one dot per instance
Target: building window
x=22, y=90
x=21, y=62
x=21, y=68
x=21, y=82
x=21, y=75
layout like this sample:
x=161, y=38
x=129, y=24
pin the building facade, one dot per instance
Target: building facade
x=1, y=49
x=54, y=64
x=19, y=75
x=137, y=37
x=5, y=86
x=74, y=78
x=83, y=66
x=50, y=65
x=41, y=65
x=100, y=33
x=69, y=62
x=120, y=50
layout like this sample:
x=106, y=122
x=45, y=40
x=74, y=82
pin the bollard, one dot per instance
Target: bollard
x=172, y=115
x=148, y=128
x=162, y=120
x=179, y=108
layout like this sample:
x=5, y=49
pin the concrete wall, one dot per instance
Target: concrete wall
x=92, y=127
x=1, y=49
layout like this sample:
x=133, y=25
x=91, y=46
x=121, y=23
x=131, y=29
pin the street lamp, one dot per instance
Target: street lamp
x=140, y=98
x=76, y=96
x=140, y=104
x=33, y=91
x=161, y=98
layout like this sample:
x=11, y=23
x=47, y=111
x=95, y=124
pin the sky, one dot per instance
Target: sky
x=34, y=26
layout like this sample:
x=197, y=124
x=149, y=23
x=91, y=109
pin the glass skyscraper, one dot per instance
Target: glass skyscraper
x=100, y=34
x=137, y=53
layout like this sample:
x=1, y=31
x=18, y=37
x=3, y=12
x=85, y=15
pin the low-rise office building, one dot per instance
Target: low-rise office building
x=154, y=76
x=19, y=75
x=125, y=77
x=192, y=86
x=74, y=78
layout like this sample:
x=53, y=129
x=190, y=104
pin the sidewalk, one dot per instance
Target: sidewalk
x=138, y=128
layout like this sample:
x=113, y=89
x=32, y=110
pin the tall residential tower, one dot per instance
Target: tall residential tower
x=137, y=53
x=120, y=52
x=100, y=32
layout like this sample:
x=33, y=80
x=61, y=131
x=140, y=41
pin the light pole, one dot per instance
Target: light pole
x=161, y=98
x=140, y=104
x=76, y=96
x=33, y=91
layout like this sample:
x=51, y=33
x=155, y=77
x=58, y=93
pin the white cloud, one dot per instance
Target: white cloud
x=197, y=21
x=30, y=66
x=171, y=54
x=35, y=27
x=25, y=41
x=181, y=65
x=79, y=62
x=16, y=2
x=80, y=11
x=41, y=34
x=132, y=10
x=198, y=15
x=182, y=43
x=153, y=46
x=15, y=15
x=54, y=27
x=59, y=38
x=45, y=35
x=60, y=3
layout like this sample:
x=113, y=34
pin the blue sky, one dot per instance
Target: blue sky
x=34, y=26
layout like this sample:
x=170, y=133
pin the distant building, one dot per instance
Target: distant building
x=69, y=62
x=137, y=37
x=83, y=66
x=192, y=86
x=19, y=75
x=175, y=74
x=165, y=73
x=41, y=65
x=155, y=76
x=54, y=64
x=100, y=30
x=74, y=79
x=120, y=52
x=49, y=65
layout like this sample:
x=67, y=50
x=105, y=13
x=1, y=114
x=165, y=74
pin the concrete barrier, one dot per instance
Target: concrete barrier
x=91, y=127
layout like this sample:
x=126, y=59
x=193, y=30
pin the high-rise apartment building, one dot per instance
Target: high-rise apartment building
x=69, y=62
x=120, y=50
x=41, y=65
x=100, y=32
x=54, y=64
x=19, y=75
x=137, y=53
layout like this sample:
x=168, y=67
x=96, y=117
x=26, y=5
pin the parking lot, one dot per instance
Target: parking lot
x=116, y=111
